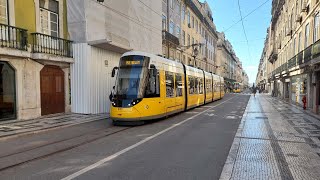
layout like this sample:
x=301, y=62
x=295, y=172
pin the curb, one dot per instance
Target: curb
x=227, y=170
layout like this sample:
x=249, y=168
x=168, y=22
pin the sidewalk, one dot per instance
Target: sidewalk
x=275, y=140
x=17, y=127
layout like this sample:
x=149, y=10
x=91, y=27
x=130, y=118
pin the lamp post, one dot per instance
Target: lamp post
x=195, y=51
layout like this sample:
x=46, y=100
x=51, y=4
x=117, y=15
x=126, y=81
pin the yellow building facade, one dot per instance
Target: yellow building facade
x=190, y=33
x=35, y=58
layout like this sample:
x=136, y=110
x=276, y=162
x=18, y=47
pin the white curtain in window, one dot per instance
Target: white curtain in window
x=49, y=17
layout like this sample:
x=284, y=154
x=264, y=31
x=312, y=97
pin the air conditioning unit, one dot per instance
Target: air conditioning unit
x=298, y=18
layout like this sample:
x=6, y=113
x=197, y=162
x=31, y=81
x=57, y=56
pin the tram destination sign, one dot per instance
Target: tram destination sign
x=131, y=62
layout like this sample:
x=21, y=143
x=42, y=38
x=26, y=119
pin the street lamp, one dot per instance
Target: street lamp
x=195, y=51
x=194, y=55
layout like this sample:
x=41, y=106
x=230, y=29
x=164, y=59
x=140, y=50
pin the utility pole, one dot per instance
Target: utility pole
x=168, y=24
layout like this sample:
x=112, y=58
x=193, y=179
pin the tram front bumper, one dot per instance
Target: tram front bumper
x=125, y=114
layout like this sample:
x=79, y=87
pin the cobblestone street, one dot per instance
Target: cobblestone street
x=275, y=140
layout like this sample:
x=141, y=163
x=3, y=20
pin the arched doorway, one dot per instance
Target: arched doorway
x=52, y=90
x=7, y=92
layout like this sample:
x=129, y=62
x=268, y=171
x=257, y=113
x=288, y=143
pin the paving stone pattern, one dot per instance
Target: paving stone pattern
x=9, y=128
x=275, y=140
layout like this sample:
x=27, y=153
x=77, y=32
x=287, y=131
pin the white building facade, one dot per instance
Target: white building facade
x=102, y=32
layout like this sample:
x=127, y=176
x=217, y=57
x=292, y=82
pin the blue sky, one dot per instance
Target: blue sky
x=226, y=13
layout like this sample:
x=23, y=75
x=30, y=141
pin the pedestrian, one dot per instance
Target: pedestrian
x=254, y=90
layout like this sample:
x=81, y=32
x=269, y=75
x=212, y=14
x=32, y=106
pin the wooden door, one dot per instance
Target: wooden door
x=52, y=90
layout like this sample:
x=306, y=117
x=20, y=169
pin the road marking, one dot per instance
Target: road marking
x=111, y=157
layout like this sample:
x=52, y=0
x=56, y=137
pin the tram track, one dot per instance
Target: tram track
x=44, y=150
x=28, y=155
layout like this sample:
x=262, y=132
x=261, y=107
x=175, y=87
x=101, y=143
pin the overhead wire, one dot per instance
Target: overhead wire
x=244, y=30
x=150, y=8
x=246, y=16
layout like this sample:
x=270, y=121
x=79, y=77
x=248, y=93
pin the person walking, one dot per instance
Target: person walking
x=254, y=90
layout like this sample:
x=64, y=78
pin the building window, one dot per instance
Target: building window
x=3, y=12
x=294, y=46
x=188, y=40
x=306, y=38
x=7, y=92
x=49, y=17
x=183, y=37
x=171, y=27
x=171, y=3
x=178, y=32
x=183, y=13
x=188, y=16
x=299, y=43
x=196, y=25
x=164, y=22
x=192, y=40
x=192, y=22
x=316, y=27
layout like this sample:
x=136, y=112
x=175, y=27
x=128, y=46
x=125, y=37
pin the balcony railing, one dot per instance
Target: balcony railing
x=43, y=43
x=170, y=37
x=13, y=37
x=292, y=62
x=316, y=49
x=307, y=55
x=300, y=58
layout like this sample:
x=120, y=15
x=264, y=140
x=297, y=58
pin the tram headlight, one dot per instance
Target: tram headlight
x=135, y=101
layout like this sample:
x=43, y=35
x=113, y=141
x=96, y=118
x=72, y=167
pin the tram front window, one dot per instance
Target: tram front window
x=131, y=80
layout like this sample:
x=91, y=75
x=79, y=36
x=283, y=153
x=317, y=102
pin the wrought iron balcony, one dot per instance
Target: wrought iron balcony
x=170, y=37
x=316, y=49
x=13, y=37
x=43, y=43
x=307, y=55
x=300, y=58
x=292, y=62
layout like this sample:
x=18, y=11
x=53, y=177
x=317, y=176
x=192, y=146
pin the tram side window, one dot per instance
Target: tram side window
x=191, y=85
x=169, y=84
x=200, y=86
x=208, y=86
x=153, y=85
x=196, y=85
x=178, y=85
x=214, y=86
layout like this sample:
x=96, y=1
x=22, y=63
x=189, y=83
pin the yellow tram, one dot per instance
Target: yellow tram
x=151, y=87
x=238, y=87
